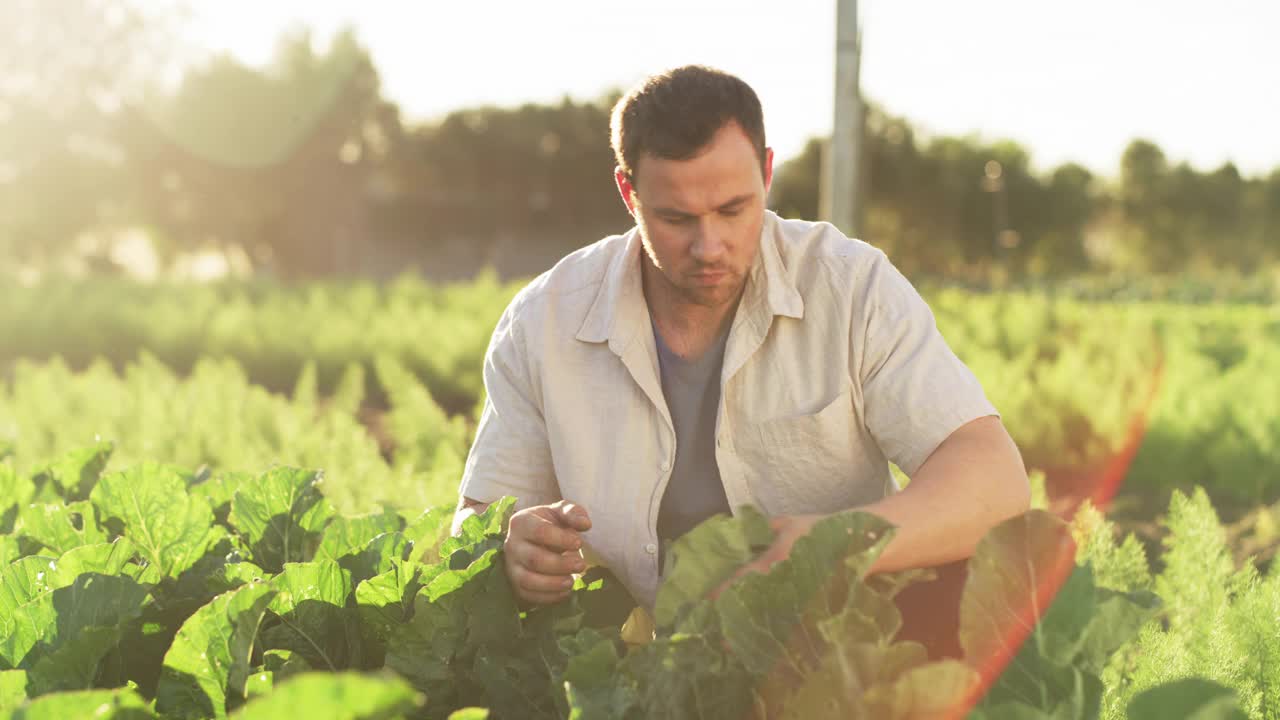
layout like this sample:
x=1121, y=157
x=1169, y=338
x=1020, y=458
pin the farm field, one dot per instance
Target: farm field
x=231, y=499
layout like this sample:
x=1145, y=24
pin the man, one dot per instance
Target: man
x=717, y=356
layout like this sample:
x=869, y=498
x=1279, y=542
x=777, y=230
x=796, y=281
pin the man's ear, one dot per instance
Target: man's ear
x=768, y=169
x=625, y=189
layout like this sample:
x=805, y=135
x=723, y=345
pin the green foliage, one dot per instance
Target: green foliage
x=1200, y=428
x=172, y=528
x=60, y=616
x=115, y=704
x=1193, y=698
x=335, y=696
x=214, y=419
x=1218, y=623
x=208, y=666
x=315, y=624
x=281, y=516
x=1120, y=567
x=397, y=380
x=1058, y=653
x=426, y=436
x=813, y=636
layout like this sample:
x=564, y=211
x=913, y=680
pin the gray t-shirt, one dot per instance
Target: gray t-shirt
x=692, y=390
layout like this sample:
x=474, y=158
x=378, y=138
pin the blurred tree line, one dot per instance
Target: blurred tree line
x=304, y=169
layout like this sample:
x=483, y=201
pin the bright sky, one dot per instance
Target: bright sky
x=1070, y=81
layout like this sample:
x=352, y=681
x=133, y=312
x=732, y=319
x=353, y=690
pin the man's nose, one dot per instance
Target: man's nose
x=709, y=243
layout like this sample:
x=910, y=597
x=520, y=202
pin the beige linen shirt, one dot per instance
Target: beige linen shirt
x=834, y=367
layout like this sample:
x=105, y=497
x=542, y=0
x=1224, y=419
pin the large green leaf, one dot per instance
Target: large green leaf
x=24, y=585
x=208, y=665
x=478, y=534
x=117, y=704
x=335, y=696
x=232, y=575
x=1189, y=699
x=454, y=616
x=760, y=612
x=283, y=664
x=10, y=549
x=512, y=682
x=219, y=488
x=1118, y=618
x=172, y=528
x=377, y=556
x=386, y=601
x=347, y=535
x=28, y=579
x=593, y=685
x=15, y=492
x=428, y=531
x=58, y=617
x=58, y=527
x=933, y=690
x=310, y=604
x=511, y=663
x=13, y=690
x=856, y=678
x=706, y=556
x=282, y=516
x=74, y=663
x=259, y=683
x=689, y=677
x=98, y=595
x=1013, y=574
x=75, y=474
x=112, y=558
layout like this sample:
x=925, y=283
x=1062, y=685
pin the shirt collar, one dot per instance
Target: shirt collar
x=619, y=310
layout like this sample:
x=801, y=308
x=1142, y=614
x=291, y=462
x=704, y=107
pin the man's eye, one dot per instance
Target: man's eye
x=679, y=220
x=732, y=212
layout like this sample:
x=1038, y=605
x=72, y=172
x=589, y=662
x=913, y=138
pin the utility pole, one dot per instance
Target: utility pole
x=840, y=202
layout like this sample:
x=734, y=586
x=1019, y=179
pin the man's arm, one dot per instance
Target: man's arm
x=973, y=481
x=920, y=402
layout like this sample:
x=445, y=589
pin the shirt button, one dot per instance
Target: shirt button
x=666, y=465
x=651, y=549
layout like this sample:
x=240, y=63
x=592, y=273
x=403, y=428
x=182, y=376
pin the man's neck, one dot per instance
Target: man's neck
x=687, y=328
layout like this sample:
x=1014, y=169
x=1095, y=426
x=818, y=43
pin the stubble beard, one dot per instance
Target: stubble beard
x=674, y=294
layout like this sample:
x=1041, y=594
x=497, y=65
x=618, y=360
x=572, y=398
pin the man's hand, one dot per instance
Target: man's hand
x=541, y=552
x=786, y=530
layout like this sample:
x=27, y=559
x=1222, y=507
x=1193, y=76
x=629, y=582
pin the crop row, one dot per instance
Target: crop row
x=154, y=591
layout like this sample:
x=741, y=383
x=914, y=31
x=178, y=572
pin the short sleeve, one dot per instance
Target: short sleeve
x=510, y=455
x=915, y=391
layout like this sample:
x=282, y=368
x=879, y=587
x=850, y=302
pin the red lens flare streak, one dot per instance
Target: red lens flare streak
x=1100, y=491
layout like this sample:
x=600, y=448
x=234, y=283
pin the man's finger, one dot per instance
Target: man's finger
x=530, y=581
x=546, y=562
x=572, y=515
x=553, y=537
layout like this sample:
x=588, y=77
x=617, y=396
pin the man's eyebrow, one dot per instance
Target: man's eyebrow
x=723, y=206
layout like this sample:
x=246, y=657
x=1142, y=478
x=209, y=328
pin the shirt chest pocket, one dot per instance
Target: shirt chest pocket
x=806, y=463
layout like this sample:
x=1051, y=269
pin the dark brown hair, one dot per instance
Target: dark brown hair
x=674, y=114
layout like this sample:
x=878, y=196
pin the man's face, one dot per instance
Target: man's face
x=700, y=219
